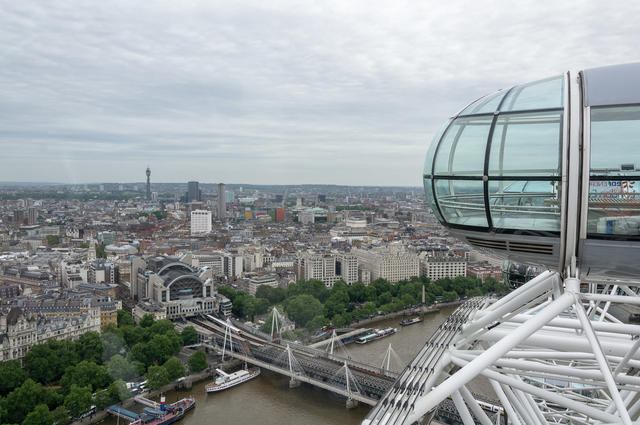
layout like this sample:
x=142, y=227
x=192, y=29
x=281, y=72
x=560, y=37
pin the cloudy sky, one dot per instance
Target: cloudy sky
x=337, y=92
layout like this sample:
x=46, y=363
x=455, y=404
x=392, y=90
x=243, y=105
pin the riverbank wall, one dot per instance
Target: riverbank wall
x=416, y=311
x=182, y=385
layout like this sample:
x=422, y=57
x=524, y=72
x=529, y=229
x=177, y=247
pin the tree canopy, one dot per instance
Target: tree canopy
x=174, y=367
x=302, y=308
x=189, y=335
x=157, y=377
x=90, y=370
x=198, y=361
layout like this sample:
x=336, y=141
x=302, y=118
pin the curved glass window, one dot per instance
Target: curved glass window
x=462, y=201
x=428, y=162
x=461, y=151
x=529, y=205
x=485, y=105
x=542, y=94
x=614, y=187
x=520, y=174
x=428, y=165
x=526, y=144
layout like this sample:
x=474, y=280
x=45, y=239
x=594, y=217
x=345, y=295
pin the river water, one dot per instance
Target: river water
x=267, y=400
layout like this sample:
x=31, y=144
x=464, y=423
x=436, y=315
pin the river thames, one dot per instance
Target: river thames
x=268, y=400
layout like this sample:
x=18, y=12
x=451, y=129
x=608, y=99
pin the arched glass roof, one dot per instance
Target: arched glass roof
x=497, y=164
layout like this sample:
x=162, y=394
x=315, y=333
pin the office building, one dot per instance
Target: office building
x=222, y=201
x=193, y=192
x=18, y=217
x=268, y=280
x=316, y=266
x=32, y=216
x=211, y=260
x=200, y=222
x=280, y=214
x=347, y=268
x=440, y=267
x=226, y=306
x=327, y=267
x=233, y=266
x=103, y=271
x=390, y=263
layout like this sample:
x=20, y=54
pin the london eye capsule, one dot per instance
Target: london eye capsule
x=547, y=172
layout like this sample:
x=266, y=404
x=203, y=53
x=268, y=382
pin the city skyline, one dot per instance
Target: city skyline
x=332, y=93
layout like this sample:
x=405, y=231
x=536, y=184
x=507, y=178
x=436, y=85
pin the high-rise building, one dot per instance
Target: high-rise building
x=148, y=184
x=200, y=222
x=222, y=201
x=138, y=284
x=193, y=192
x=347, y=268
x=233, y=265
x=280, y=214
x=33, y=215
x=18, y=217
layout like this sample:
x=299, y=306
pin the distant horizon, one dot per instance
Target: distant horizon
x=16, y=183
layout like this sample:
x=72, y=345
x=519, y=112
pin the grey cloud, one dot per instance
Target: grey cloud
x=332, y=92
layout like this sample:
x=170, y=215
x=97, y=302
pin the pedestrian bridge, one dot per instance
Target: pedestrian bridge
x=356, y=381
x=391, y=394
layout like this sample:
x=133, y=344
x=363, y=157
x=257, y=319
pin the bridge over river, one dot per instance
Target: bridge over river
x=388, y=392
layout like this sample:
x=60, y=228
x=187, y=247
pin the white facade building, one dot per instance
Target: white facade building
x=233, y=265
x=269, y=280
x=328, y=268
x=393, y=263
x=200, y=222
x=440, y=267
x=317, y=266
x=21, y=330
x=347, y=268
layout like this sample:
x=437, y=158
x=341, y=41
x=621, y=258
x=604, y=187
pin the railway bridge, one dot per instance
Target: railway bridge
x=390, y=393
x=357, y=382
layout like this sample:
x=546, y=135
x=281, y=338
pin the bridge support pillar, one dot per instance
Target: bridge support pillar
x=351, y=403
x=294, y=383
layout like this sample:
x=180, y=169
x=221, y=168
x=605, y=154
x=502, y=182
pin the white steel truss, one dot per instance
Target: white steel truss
x=552, y=355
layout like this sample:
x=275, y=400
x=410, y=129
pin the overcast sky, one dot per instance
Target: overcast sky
x=337, y=92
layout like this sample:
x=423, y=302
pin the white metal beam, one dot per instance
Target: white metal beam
x=473, y=369
x=466, y=417
x=548, y=395
x=602, y=361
